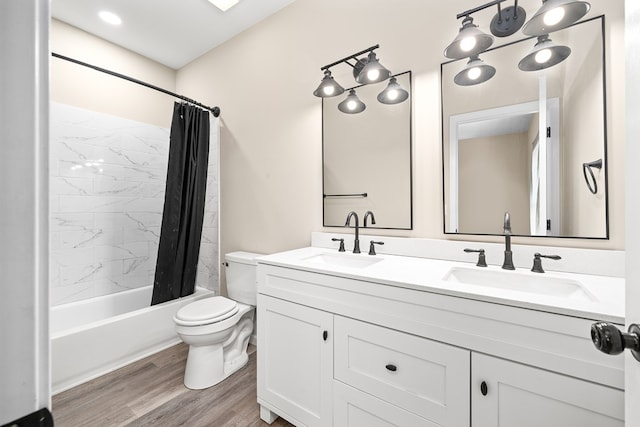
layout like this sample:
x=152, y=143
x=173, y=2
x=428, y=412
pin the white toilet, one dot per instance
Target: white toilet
x=218, y=329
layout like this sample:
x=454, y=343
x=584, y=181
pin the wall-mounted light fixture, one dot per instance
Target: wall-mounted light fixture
x=544, y=54
x=366, y=70
x=475, y=72
x=352, y=104
x=393, y=94
x=470, y=41
x=554, y=15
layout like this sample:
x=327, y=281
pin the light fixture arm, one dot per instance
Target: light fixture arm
x=353, y=56
x=479, y=8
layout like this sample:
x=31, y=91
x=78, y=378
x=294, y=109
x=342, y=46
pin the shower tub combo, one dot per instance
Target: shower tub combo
x=92, y=337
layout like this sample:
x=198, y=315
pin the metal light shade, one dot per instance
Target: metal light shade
x=555, y=15
x=328, y=87
x=470, y=41
x=475, y=72
x=544, y=54
x=372, y=71
x=352, y=104
x=393, y=93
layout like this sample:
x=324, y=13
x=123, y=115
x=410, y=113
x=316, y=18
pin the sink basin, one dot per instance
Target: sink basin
x=344, y=260
x=533, y=283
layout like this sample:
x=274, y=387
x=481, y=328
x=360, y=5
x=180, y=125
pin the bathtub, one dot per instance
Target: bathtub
x=92, y=337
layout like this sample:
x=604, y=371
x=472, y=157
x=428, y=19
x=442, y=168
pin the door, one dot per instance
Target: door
x=295, y=361
x=24, y=280
x=632, y=201
x=507, y=394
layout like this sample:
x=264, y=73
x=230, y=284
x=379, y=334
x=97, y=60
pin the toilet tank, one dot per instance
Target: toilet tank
x=241, y=276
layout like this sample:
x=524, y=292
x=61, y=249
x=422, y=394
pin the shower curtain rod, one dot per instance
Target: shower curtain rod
x=214, y=110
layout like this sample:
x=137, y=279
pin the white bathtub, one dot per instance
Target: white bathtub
x=93, y=337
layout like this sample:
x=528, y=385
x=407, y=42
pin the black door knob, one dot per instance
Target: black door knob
x=610, y=340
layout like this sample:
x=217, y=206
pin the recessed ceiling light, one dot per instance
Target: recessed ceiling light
x=110, y=17
x=224, y=5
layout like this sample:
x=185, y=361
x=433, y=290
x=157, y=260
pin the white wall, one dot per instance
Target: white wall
x=271, y=136
x=108, y=178
x=24, y=118
x=86, y=88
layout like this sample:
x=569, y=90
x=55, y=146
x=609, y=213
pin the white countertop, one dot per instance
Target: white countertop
x=606, y=294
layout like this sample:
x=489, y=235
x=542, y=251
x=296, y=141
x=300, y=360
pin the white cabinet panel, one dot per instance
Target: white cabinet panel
x=295, y=360
x=353, y=408
x=523, y=396
x=425, y=377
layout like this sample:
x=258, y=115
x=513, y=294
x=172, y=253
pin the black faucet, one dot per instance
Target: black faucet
x=366, y=215
x=341, y=248
x=537, y=261
x=508, y=255
x=482, y=260
x=356, y=243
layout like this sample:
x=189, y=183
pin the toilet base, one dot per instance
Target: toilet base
x=208, y=365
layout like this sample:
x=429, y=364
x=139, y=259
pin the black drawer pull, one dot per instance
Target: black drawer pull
x=325, y=334
x=483, y=388
x=391, y=367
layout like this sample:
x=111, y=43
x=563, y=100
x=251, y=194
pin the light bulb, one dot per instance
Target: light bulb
x=392, y=94
x=373, y=75
x=468, y=43
x=328, y=90
x=543, y=56
x=554, y=16
x=351, y=105
x=110, y=17
x=474, y=73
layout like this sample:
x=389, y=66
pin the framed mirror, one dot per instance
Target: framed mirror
x=531, y=143
x=366, y=159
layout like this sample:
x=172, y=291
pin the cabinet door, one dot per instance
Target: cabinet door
x=354, y=408
x=295, y=361
x=523, y=396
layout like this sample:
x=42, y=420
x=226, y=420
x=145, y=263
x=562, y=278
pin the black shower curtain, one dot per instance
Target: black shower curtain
x=183, y=204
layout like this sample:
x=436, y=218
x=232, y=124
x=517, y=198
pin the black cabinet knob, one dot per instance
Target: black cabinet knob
x=483, y=388
x=325, y=334
x=610, y=340
x=391, y=367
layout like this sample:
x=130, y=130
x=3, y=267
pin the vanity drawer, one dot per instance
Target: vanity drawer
x=424, y=377
x=354, y=408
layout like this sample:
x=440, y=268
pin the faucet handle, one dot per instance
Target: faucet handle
x=482, y=261
x=372, y=249
x=537, y=261
x=335, y=239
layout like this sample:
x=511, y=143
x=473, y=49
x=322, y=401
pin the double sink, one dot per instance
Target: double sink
x=532, y=283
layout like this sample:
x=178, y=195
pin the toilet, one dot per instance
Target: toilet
x=217, y=329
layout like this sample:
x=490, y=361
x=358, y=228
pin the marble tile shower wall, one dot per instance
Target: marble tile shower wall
x=107, y=183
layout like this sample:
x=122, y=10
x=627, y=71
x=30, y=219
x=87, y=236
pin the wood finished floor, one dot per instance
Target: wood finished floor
x=150, y=392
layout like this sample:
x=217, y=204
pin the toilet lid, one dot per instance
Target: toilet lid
x=207, y=310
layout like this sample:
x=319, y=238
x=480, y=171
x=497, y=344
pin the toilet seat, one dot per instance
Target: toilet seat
x=206, y=311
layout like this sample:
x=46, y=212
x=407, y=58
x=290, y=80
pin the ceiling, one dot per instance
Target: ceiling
x=171, y=32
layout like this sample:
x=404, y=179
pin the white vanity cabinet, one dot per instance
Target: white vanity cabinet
x=401, y=356
x=295, y=361
x=505, y=393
